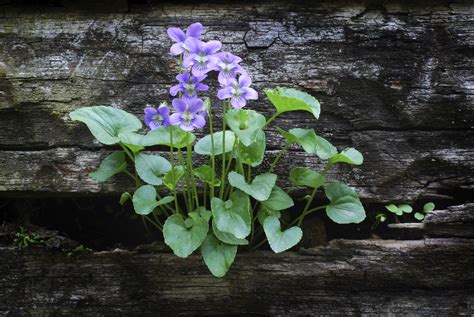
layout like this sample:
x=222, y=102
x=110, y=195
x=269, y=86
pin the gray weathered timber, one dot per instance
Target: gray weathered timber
x=455, y=221
x=394, y=80
x=379, y=278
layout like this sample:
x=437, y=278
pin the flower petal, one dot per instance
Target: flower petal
x=188, y=61
x=201, y=87
x=195, y=105
x=194, y=30
x=250, y=93
x=177, y=49
x=224, y=93
x=244, y=80
x=212, y=46
x=193, y=45
x=186, y=127
x=238, y=102
x=199, y=121
x=175, y=119
x=176, y=34
x=179, y=105
x=175, y=89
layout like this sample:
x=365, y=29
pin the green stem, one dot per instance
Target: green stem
x=280, y=154
x=186, y=195
x=221, y=190
x=273, y=117
x=176, y=205
x=191, y=171
x=153, y=223
x=213, y=157
x=249, y=173
x=204, y=200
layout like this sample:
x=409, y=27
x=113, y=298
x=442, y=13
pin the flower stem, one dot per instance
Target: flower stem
x=221, y=190
x=280, y=154
x=273, y=117
x=213, y=157
x=176, y=205
x=189, y=153
x=186, y=188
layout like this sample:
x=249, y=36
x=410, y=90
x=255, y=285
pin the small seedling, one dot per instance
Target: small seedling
x=77, y=251
x=399, y=209
x=25, y=239
x=427, y=208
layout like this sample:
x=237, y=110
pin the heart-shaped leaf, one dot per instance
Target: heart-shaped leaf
x=106, y=123
x=144, y=200
x=260, y=188
x=217, y=255
x=245, y=124
x=310, y=142
x=281, y=240
x=253, y=154
x=151, y=168
x=162, y=136
x=278, y=200
x=173, y=176
x=204, y=173
x=233, y=216
x=349, y=156
x=301, y=176
x=264, y=212
x=226, y=237
x=185, y=239
x=345, y=206
x=204, y=145
x=111, y=165
x=288, y=99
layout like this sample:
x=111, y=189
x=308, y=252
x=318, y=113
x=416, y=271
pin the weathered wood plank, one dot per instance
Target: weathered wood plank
x=344, y=278
x=406, y=173
x=456, y=221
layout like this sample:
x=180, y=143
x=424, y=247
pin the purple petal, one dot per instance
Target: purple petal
x=176, y=49
x=250, y=93
x=149, y=111
x=238, y=102
x=175, y=89
x=179, y=105
x=189, y=61
x=225, y=80
x=153, y=125
x=164, y=111
x=224, y=93
x=193, y=45
x=175, y=119
x=186, y=127
x=212, y=46
x=244, y=80
x=228, y=58
x=194, y=30
x=176, y=34
x=195, y=105
x=201, y=87
x=198, y=70
x=199, y=121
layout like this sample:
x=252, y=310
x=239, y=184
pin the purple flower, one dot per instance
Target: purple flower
x=189, y=113
x=178, y=36
x=201, y=56
x=155, y=118
x=189, y=85
x=228, y=66
x=238, y=92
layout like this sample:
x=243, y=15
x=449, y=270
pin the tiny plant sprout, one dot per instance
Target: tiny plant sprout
x=215, y=206
x=399, y=209
x=427, y=208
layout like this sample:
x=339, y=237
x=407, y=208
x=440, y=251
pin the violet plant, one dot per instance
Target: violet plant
x=226, y=202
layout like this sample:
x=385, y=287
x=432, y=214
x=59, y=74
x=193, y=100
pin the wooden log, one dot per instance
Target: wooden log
x=393, y=79
x=455, y=221
x=373, y=277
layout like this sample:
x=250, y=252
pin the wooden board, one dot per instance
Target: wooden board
x=394, y=80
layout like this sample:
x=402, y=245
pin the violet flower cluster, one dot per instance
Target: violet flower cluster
x=197, y=60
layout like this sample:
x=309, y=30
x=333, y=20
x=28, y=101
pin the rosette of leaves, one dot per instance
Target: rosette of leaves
x=237, y=199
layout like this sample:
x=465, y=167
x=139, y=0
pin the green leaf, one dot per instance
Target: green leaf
x=346, y=210
x=345, y=206
x=111, y=165
x=124, y=198
x=204, y=145
x=310, y=142
x=182, y=239
x=151, y=168
x=106, y=123
x=245, y=124
x=253, y=154
x=419, y=216
x=260, y=188
x=204, y=173
x=173, y=176
x=302, y=176
x=428, y=207
x=381, y=217
x=288, y=99
x=349, y=156
x=226, y=237
x=394, y=209
x=233, y=216
x=264, y=212
x=405, y=208
x=132, y=140
x=217, y=255
x=281, y=240
x=144, y=200
x=278, y=200
x=162, y=136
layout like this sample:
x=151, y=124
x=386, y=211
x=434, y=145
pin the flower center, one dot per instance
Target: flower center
x=157, y=118
x=187, y=117
x=189, y=88
x=201, y=59
x=237, y=92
